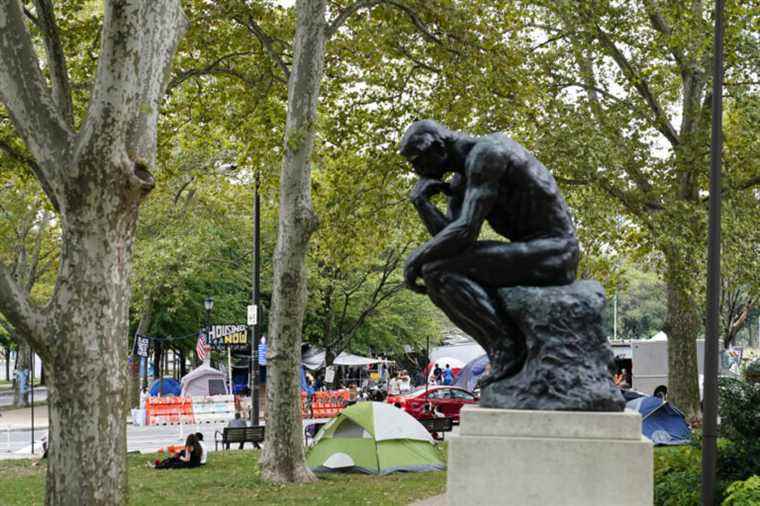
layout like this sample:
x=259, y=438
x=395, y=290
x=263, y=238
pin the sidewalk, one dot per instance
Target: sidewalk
x=439, y=500
x=21, y=419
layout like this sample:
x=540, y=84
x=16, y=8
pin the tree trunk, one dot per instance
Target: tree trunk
x=182, y=364
x=8, y=363
x=683, y=327
x=96, y=176
x=23, y=363
x=87, y=452
x=283, y=456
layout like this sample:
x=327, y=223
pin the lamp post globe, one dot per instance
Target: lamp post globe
x=208, y=303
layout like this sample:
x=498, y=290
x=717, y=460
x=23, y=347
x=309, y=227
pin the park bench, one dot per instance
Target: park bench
x=312, y=427
x=243, y=435
x=437, y=425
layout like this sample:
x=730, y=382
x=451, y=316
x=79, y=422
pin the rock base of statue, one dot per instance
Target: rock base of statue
x=568, y=359
x=543, y=458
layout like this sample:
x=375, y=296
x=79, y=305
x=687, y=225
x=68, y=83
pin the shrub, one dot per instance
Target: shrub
x=739, y=409
x=677, y=476
x=752, y=371
x=738, y=460
x=743, y=493
x=678, y=471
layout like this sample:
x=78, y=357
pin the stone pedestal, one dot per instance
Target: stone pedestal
x=547, y=458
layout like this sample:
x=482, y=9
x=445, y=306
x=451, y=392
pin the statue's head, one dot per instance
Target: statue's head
x=424, y=146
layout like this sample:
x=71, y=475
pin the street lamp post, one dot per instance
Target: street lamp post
x=253, y=369
x=712, y=346
x=208, y=304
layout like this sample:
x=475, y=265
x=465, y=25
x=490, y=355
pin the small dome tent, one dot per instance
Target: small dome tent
x=374, y=438
x=197, y=381
x=470, y=374
x=662, y=423
x=165, y=386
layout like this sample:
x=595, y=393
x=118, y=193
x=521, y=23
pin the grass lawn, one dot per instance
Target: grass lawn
x=231, y=478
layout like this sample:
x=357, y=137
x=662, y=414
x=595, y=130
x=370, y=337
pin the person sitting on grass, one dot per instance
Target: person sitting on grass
x=189, y=457
x=204, y=450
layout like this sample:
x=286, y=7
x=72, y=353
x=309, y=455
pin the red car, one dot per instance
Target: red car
x=446, y=399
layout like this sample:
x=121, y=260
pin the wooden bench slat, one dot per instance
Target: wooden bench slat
x=242, y=435
x=437, y=424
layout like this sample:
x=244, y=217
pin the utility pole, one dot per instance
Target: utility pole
x=31, y=391
x=256, y=301
x=712, y=342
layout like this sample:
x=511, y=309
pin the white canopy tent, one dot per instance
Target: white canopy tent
x=315, y=360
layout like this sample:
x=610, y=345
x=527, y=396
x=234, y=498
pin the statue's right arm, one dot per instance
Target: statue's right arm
x=430, y=215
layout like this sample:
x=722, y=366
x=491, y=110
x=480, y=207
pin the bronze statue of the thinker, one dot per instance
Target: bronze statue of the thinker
x=495, y=180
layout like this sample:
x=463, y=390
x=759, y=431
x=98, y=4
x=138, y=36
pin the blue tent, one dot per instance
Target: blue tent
x=171, y=387
x=661, y=422
x=472, y=372
x=305, y=384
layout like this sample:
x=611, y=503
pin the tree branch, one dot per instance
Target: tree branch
x=589, y=80
x=266, y=43
x=347, y=13
x=126, y=100
x=164, y=25
x=661, y=25
x=26, y=319
x=36, y=169
x=212, y=68
x=661, y=122
x=25, y=94
x=420, y=24
x=593, y=89
x=749, y=183
x=32, y=17
x=572, y=181
x=59, y=74
x=34, y=264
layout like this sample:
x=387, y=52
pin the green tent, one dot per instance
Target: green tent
x=374, y=438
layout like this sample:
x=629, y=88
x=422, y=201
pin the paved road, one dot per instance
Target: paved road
x=17, y=444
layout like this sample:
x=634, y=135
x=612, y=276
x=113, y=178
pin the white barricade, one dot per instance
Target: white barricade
x=211, y=409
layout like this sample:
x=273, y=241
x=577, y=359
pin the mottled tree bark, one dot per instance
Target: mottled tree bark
x=283, y=456
x=683, y=326
x=96, y=177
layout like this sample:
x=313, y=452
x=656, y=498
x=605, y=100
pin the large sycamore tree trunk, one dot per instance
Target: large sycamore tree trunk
x=683, y=327
x=283, y=456
x=95, y=178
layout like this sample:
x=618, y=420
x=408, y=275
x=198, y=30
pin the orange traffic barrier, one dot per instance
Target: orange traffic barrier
x=168, y=410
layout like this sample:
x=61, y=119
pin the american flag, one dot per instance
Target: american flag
x=201, y=348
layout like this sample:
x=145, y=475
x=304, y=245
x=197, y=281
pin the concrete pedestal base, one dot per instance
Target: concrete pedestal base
x=548, y=458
